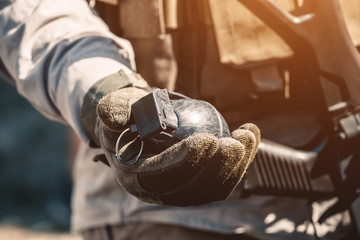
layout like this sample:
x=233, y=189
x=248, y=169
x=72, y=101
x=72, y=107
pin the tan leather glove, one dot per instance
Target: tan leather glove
x=197, y=170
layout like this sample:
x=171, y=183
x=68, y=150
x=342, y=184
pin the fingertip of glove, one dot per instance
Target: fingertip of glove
x=231, y=149
x=249, y=135
x=252, y=128
x=114, y=108
x=114, y=114
x=247, y=138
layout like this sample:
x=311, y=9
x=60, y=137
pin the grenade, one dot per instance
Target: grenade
x=164, y=118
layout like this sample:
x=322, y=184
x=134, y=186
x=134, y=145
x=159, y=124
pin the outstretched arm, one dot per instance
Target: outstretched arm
x=66, y=62
x=54, y=51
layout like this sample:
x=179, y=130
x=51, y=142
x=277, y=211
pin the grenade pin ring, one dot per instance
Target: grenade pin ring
x=117, y=150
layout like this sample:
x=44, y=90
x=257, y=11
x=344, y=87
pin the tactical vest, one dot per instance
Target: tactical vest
x=221, y=52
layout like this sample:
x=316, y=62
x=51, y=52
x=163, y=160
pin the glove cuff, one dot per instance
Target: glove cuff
x=100, y=89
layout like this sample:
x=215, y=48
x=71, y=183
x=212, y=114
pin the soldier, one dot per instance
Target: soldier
x=64, y=59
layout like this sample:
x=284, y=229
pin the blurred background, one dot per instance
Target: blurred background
x=35, y=167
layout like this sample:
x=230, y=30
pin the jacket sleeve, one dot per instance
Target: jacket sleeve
x=54, y=51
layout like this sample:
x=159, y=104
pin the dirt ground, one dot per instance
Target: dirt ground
x=9, y=232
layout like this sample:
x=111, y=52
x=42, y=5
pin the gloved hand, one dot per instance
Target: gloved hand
x=197, y=170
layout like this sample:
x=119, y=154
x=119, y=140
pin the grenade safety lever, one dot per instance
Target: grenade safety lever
x=154, y=114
